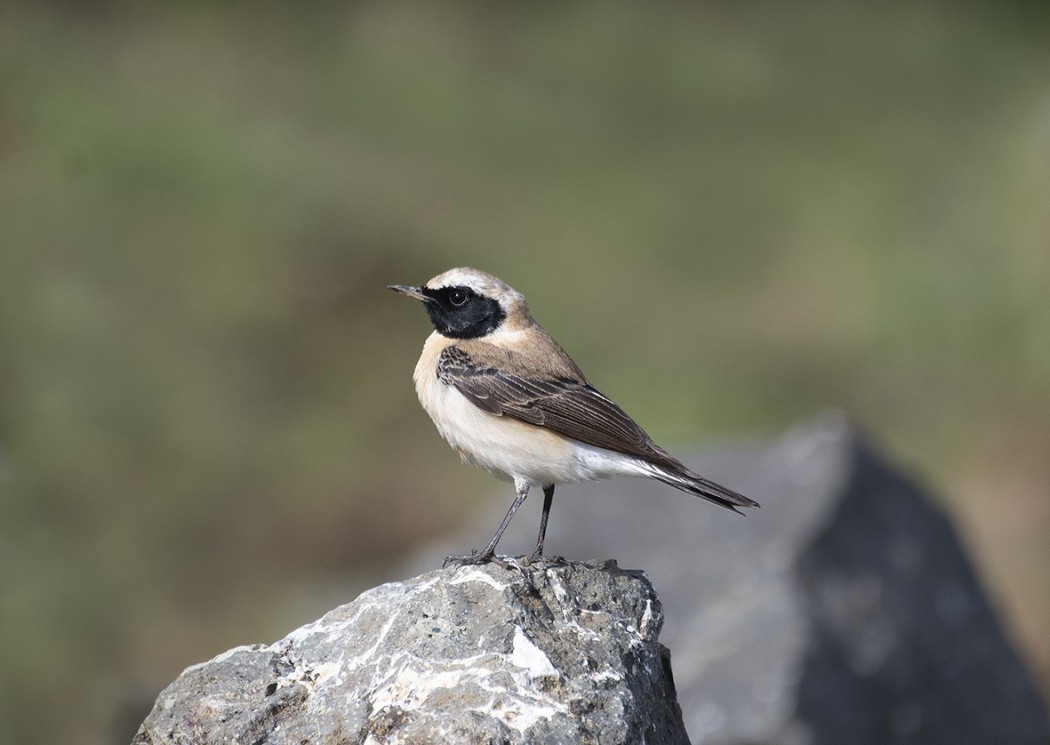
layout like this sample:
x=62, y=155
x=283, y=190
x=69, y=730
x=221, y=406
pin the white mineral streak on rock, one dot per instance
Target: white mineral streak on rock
x=529, y=657
x=645, y=625
x=570, y=609
x=474, y=574
x=560, y=593
x=408, y=683
x=606, y=675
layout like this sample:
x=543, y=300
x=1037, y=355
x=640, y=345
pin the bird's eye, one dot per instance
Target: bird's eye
x=458, y=298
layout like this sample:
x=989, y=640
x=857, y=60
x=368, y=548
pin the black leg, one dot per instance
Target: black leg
x=522, y=491
x=548, y=497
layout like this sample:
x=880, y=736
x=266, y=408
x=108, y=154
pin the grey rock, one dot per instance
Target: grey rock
x=844, y=611
x=500, y=653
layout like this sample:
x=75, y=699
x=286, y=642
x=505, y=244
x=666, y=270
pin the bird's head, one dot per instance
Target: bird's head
x=467, y=303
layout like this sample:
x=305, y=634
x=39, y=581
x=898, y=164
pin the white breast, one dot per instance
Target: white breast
x=505, y=447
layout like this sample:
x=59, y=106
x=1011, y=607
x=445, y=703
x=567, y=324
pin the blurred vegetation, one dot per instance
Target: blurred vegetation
x=732, y=215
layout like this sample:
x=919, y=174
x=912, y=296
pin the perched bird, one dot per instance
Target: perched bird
x=510, y=400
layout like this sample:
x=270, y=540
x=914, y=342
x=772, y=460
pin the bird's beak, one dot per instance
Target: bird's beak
x=412, y=292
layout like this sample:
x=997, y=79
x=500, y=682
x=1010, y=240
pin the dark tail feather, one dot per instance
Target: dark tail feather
x=697, y=485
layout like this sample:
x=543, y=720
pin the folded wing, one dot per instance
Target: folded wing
x=569, y=405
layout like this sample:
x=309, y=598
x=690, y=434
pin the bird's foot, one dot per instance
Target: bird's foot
x=538, y=558
x=476, y=557
x=479, y=557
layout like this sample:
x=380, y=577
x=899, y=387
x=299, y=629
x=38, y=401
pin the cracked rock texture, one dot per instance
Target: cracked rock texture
x=485, y=654
x=844, y=612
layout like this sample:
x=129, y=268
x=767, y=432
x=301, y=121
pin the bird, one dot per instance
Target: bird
x=506, y=396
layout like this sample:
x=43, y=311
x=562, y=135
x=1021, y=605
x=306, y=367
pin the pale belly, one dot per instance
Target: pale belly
x=516, y=451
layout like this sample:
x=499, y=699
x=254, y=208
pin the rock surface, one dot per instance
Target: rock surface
x=489, y=654
x=844, y=612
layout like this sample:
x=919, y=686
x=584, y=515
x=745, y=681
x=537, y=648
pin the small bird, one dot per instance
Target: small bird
x=510, y=400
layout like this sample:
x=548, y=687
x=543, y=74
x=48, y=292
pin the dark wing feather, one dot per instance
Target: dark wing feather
x=567, y=405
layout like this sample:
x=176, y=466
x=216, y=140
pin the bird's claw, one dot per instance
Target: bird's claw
x=538, y=558
x=475, y=558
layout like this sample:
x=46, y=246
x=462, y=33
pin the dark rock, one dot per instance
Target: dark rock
x=489, y=654
x=845, y=611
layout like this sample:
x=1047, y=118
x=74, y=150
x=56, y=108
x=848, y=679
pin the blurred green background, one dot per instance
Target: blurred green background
x=208, y=432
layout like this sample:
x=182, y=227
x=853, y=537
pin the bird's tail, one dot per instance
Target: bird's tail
x=682, y=478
